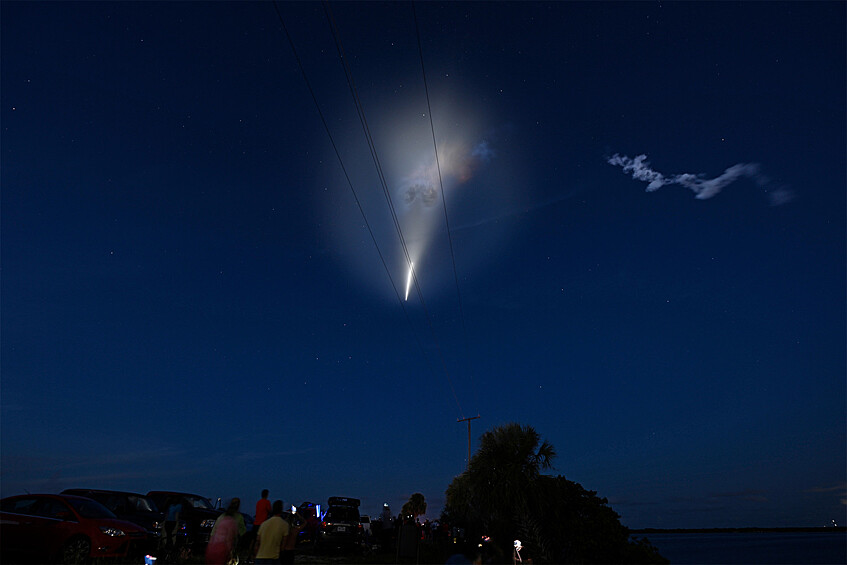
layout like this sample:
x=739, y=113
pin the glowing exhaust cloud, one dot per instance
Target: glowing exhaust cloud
x=703, y=188
x=422, y=211
x=476, y=182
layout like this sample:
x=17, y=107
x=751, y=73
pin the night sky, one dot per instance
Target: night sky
x=645, y=258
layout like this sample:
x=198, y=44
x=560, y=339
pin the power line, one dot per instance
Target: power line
x=358, y=202
x=443, y=198
x=348, y=72
x=334, y=146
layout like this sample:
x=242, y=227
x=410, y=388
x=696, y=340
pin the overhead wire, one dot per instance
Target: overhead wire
x=356, y=198
x=443, y=195
x=386, y=192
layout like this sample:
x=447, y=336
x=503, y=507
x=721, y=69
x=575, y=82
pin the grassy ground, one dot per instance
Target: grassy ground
x=427, y=553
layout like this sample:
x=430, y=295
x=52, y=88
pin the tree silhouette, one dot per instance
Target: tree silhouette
x=416, y=506
x=496, y=490
x=504, y=495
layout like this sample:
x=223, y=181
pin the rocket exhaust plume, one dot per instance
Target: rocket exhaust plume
x=468, y=181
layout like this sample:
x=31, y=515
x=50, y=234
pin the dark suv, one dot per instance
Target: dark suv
x=197, y=517
x=340, y=524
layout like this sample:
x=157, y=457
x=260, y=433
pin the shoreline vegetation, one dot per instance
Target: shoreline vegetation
x=504, y=494
x=746, y=530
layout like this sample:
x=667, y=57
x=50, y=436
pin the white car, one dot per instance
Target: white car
x=365, y=521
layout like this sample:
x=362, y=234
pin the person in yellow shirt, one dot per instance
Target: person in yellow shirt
x=271, y=536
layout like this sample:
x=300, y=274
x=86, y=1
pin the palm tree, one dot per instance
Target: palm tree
x=511, y=453
x=416, y=506
x=496, y=489
x=508, y=463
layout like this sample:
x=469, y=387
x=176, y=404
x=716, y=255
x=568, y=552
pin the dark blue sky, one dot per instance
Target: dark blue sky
x=191, y=299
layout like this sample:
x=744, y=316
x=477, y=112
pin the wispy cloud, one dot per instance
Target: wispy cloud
x=841, y=487
x=839, y=490
x=54, y=472
x=69, y=462
x=615, y=502
x=746, y=494
x=252, y=455
x=702, y=187
x=75, y=480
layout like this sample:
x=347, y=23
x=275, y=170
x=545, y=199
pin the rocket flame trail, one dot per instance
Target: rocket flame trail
x=409, y=280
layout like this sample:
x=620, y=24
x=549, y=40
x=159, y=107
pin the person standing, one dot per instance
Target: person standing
x=239, y=518
x=271, y=535
x=286, y=556
x=263, y=511
x=172, y=522
x=224, y=535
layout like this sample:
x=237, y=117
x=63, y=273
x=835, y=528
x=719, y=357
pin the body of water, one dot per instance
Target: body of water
x=796, y=548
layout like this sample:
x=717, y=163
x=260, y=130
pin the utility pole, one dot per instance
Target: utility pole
x=468, y=420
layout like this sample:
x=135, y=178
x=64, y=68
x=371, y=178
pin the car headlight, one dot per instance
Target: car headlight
x=113, y=532
x=207, y=523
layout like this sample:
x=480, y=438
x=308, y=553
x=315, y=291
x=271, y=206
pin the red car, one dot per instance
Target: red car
x=60, y=528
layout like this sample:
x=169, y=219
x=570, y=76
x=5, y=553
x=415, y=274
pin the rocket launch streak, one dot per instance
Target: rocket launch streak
x=409, y=280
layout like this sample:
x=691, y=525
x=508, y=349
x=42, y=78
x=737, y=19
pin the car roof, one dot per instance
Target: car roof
x=65, y=497
x=69, y=497
x=72, y=496
x=47, y=495
x=100, y=491
x=176, y=493
x=31, y=495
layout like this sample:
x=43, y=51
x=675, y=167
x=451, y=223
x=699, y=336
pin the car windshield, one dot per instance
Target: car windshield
x=200, y=502
x=19, y=505
x=142, y=503
x=90, y=508
x=342, y=514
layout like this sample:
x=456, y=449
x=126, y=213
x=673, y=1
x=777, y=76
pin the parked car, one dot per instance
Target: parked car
x=365, y=521
x=340, y=525
x=197, y=517
x=130, y=506
x=59, y=528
